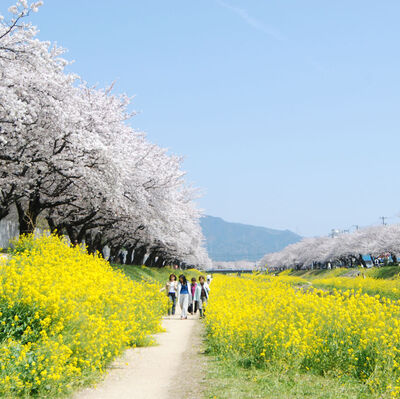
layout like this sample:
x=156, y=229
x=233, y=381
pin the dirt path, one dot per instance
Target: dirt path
x=154, y=372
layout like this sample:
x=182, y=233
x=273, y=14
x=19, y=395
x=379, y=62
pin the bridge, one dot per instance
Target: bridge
x=230, y=271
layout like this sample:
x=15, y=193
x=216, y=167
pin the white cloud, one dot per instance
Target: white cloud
x=253, y=22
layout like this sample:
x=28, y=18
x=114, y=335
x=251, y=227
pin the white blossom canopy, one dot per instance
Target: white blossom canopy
x=68, y=154
x=375, y=241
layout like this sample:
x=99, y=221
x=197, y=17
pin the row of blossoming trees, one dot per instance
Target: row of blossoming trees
x=346, y=249
x=68, y=155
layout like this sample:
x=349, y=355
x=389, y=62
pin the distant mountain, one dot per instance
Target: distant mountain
x=227, y=241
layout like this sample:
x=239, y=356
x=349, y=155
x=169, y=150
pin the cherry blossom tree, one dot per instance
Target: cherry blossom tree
x=69, y=155
x=346, y=249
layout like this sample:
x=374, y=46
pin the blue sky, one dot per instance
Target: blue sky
x=287, y=112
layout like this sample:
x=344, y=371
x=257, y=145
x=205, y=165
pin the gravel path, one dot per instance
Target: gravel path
x=171, y=369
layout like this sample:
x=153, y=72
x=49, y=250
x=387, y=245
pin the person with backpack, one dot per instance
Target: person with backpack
x=201, y=295
x=184, y=296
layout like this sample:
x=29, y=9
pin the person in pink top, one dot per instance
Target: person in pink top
x=193, y=305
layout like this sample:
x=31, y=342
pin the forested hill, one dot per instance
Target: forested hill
x=227, y=241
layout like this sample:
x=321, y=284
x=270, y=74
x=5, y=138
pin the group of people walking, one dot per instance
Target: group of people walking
x=191, y=296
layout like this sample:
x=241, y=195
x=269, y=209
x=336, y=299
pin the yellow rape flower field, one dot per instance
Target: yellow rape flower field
x=268, y=322
x=372, y=286
x=65, y=315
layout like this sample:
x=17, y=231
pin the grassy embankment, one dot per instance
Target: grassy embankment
x=143, y=273
x=383, y=281
x=386, y=272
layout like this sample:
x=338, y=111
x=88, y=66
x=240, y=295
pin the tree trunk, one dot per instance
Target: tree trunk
x=114, y=254
x=160, y=261
x=128, y=259
x=81, y=234
x=138, y=256
x=51, y=224
x=73, y=236
x=150, y=260
x=54, y=229
x=89, y=243
x=27, y=219
x=98, y=244
x=4, y=211
x=394, y=258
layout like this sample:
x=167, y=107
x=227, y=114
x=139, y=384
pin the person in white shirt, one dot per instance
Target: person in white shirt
x=171, y=289
x=201, y=295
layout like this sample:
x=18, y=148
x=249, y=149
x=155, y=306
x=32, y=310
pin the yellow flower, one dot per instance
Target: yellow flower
x=79, y=315
x=270, y=320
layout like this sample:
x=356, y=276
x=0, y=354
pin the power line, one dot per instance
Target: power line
x=335, y=232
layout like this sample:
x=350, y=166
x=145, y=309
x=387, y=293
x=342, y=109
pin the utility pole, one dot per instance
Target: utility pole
x=383, y=219
x=335, y=233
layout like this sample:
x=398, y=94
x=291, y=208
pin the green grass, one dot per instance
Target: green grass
x=321, y=273
x=139, y=273
x=385, y=272
x=228, y=380
x=350, y=276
